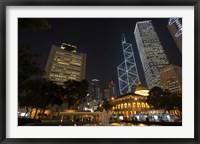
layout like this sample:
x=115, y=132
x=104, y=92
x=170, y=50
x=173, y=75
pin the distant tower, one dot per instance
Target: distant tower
x=151, y=52
x=95, y=92
x=107, y=94
x=127, y=71
x=112, y=89
x=175, y=28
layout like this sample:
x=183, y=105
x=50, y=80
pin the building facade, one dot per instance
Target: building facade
x=129, y=105
x=127, y=70
x=175, y=29
x=172, y=78
x=65, y=63
x=151, y=52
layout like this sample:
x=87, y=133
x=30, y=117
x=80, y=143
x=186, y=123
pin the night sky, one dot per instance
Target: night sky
x=100, y=39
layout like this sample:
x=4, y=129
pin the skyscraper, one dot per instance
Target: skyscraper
x=127, y=71
x=65, y=64
x=107, y=94
x=110, y=92
x=95, y=91
x=151, y=52
x=175, y=28
x=172, y=78
x=112, y=89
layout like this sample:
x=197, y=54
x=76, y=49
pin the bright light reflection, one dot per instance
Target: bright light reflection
x=142, y=92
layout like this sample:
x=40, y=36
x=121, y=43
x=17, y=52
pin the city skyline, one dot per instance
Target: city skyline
x=100, y=39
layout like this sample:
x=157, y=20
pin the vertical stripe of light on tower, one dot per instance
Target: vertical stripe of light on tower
x=127, y=71
x=151, y=52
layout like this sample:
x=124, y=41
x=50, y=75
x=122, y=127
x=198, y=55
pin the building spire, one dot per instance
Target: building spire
x=123, y=39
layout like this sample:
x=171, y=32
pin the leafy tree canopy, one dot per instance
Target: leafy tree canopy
x=39, y=93
x=75, y=92
x=160, y=99
x=33, y=24
x=107, y=105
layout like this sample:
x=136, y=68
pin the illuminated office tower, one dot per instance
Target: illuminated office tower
x=95, y=91
x=172, y=78
x=127, y=71
x=65, y=63
x=175, y=28
x=151, y=52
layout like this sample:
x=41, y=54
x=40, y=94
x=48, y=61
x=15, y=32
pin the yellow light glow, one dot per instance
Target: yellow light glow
x=142, y=92
x=60, y=62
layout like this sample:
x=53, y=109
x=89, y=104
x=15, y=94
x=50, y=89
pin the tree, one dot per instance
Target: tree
x=52, y=92
x=30, y=88
x=160, y=99
x=51, y=95
x=107, y=105
x=33, y=24
x=156, y=98
x=82, y=92
x=27, y=67
x=75, y=92
x=40, y=93
x=30, y=96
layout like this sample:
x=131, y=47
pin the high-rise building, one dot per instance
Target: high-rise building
x=95, y=91
x=107, y=94
x=172, y=78
x=65, y=63
x=127, y=71
x=151, y=52
x=175, y=28
x=112, y=89
x=110, y=92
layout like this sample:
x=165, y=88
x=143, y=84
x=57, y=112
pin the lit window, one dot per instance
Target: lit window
x=133, y=104
x=138, y=105
x=143, y=105
x=129, y=105
x=118, y=106
x=125, y=105
x=121, y=106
